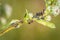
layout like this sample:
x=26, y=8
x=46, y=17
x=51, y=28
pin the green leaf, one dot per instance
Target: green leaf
x=26, y=17
x=45, y=23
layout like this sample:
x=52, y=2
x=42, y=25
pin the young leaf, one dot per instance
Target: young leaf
x=28, y=16
x=45, y=23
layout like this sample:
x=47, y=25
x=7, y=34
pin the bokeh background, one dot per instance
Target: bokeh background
x=32, y=31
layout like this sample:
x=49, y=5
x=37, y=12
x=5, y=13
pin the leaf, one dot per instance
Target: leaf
x=28, y=16
x=45, y=23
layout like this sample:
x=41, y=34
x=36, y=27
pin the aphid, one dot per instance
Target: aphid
x=14, y=24
x=20, y=21
x=42, y=17
x=25, y=15
x=30, y=21
x=39, y=14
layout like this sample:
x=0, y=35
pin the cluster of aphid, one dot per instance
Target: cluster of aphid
x=15, y=23
x=39, y=14
x=42, y=17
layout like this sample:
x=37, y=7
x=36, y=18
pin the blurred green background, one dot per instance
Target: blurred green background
x=32, y=31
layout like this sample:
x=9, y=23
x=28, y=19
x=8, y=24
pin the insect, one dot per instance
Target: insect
x=39, y=15
x=42, y=17
x=29, y=17
x=13, y=25
x=30, y=21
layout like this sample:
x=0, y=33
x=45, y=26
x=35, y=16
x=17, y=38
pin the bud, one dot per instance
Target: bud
x=30, y=15
x=55, y=10
x=48, y=18
x=3, y=21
